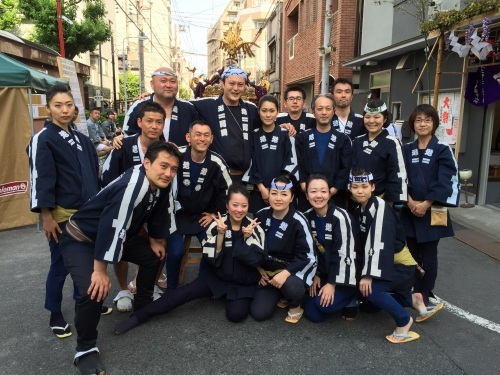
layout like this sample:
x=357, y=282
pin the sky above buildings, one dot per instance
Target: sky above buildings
x=194, y=18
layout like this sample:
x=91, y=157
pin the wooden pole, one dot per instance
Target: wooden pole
x=438, y=69
x=425, y=66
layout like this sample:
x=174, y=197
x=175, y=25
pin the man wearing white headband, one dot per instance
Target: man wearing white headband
x=344, y=119
x=180, y=113
x=232, y=120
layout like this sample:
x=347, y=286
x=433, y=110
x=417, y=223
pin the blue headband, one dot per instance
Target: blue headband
x=287, y=186
x=233, y=70
x=359, y=179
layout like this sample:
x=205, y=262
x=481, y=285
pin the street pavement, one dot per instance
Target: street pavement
x=197, y=338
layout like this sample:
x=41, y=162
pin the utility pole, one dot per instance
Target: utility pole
x=140, y=23
x=326, y=49
x=60, y=28
x=114, y=74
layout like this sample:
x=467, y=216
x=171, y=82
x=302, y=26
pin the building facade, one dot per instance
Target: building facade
x=303, y=34
x=391, y=65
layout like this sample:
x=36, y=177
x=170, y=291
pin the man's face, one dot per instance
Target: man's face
x=165, y=87
x=323, y=111
x=234, y=87
x=95, y=115
x=112, y=117
x=161, y=172
x=342, y=93
x=295, y=102
x=200, y=137
x=151, y=125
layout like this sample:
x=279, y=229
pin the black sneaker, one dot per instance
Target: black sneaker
x=59, y=326
x=90, y=364
x=105, y=310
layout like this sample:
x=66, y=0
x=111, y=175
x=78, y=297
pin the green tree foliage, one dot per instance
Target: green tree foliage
x=81, y=36
x=133, y=89
x=9, y=14
x=185, y=93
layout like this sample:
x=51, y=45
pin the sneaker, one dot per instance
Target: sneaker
x=59, y=326
x=105, y=310
x=90, y=364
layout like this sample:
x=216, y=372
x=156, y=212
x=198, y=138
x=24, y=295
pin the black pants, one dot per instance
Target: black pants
x=236, y=310
x=264, y=304
x=79, y=261
x=425, y=254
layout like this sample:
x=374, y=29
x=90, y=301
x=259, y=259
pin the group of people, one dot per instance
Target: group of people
x=316, y=213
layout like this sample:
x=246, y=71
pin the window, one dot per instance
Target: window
x=272, y=56
x=291, y=45
x=258, y=24
x=380, y=85
x=104, y=66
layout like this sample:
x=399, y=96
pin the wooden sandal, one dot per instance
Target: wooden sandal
x=295, y=317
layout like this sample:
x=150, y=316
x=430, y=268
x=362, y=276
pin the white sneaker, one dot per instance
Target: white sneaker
x=124, y=301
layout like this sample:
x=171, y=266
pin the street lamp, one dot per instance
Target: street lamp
x=124, y=66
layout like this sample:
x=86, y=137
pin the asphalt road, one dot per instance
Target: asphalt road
x=197, y=338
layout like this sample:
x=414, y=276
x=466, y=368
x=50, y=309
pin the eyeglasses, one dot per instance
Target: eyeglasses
x=294, y=99
x=424, y=120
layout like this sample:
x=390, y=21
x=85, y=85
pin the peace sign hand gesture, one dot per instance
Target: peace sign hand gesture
x=247, y=231
x=221, y=227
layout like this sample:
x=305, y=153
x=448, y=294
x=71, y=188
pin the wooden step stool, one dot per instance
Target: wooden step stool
x=188, y=258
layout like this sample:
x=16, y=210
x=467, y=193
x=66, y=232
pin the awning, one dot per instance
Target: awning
x=390, y=51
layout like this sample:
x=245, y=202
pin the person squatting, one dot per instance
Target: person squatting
x=300, y=218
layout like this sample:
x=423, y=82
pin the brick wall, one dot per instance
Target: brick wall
x=305, y=66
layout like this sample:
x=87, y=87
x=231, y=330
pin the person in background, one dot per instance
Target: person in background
x=393, y=129
x=432, y=181
x=109, y=125
x=96, y=135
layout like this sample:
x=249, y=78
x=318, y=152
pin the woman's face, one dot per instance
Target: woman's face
x=61, y=109
x=374, y=123
x=423, y=125
x=280, y=200
x=268, y=113
x=362, y=191
x=318, y=193
x=237, y=207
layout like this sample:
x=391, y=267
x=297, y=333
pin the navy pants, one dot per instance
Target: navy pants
x=393, y=304
x=425, y=254
x=175, y=252
x=79, y=261
x=236, y=310
x=56, y=277
x=343, y=296
x=266, y=297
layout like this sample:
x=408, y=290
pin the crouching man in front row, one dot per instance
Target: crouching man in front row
x=107, y=229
